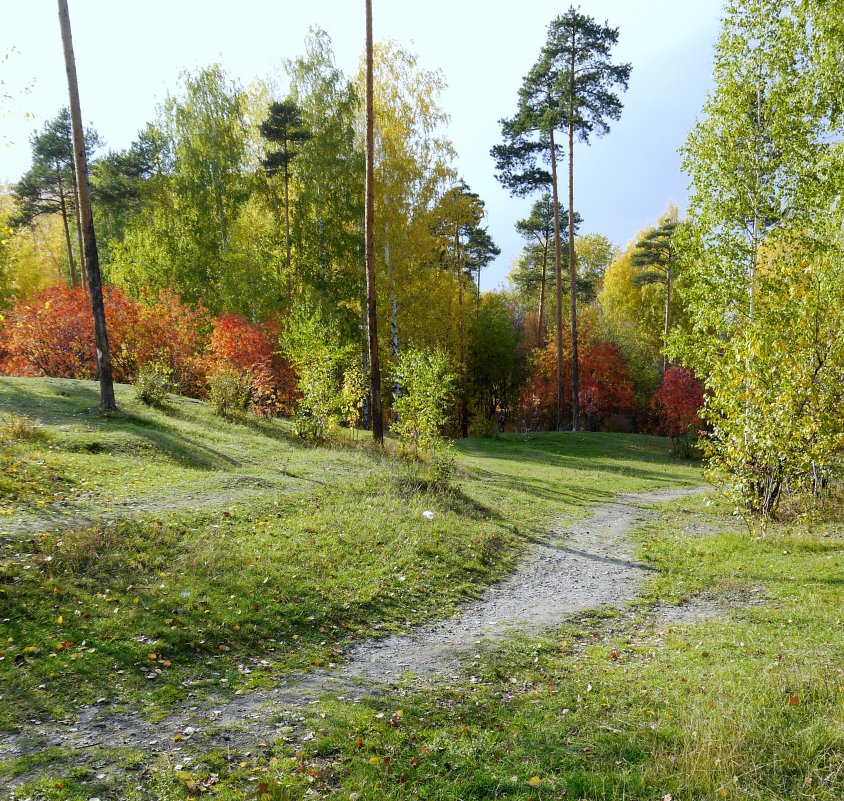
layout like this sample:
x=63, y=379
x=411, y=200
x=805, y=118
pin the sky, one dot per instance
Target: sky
x=129, y=57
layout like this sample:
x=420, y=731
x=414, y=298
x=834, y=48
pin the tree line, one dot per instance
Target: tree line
x=246, y=204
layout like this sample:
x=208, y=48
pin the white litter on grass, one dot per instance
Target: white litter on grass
x=428, y=514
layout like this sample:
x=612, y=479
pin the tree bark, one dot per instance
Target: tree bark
x=575, y=362
x=71, y=263
x=92, y=263
x=558, y=259
x=78, y=216
x=540, y=331
x=371, y=297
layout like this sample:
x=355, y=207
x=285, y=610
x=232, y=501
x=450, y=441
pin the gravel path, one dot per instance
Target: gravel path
x=580, y=566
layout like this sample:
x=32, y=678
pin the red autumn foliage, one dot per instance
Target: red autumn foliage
x=677, y=402
x=53, y=335
x=162, y=330
x=238, y=344
x=605, y=386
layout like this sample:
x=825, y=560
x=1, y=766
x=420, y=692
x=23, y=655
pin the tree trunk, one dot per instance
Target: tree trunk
x=464, y=393
x=558, y=259
x=95, y=290
x=71, y=262
x=287, y=231
x=575, y=362
x=540, y=332
x=371, y=298
x=394, y=306
x=78, y=216
x=667, y=318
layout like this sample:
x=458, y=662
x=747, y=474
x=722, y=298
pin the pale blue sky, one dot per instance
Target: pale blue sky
x=129, y=56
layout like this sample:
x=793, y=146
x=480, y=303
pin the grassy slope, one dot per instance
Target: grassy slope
x=747, y=706
x=254, y=550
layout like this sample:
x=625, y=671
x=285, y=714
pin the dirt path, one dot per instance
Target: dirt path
x=577, y=567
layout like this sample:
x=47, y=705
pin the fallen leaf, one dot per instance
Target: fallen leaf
x=534, y=781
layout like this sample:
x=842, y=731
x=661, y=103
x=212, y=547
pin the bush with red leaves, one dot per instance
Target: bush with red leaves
x=677, y=402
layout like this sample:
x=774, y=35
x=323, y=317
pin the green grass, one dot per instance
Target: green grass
x=313, y=543
x=746, y=706
x=254, y=551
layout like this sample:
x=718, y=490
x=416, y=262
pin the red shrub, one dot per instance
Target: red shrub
x=163, y=330
x=677, y=402
x=52, y=335
x=605, y=386
x=238, y=344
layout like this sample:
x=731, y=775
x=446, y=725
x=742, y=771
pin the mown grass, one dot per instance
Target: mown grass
x=256, y=555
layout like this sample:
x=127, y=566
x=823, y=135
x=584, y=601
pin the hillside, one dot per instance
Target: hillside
x=189, y=605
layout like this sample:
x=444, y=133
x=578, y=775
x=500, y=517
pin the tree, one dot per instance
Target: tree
x=656, y=253
x=766, y=272
x=327, y=207
x=92, y=265
x=49, y=186
x=188, y=233
x=595, y=252
x=461, y=211
x=120, y=183
x=493, y=360
x=527, y=136
x=371, y=296
x=283, y=127
x=538, y=231
x=577, y=59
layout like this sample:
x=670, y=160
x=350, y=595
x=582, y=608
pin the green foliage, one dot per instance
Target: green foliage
x=427, y=385
x=153, y=381
x=495, y=369
x=766, y=273
x=331, y=386
x=187, y=234
x=229, y=392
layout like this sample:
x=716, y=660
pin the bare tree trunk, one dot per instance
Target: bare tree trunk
x=287, y=231
x=95, y=289
x=78, y=216
x=540, y=330
x=464, y=391
x=558, y=259
x=575, y=362
x=71, y=262
x=371, y=297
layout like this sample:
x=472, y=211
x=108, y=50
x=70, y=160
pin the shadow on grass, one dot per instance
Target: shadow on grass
x=76, y=403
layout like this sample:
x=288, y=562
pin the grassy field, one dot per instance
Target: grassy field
x=247, y=546
x=168, y=543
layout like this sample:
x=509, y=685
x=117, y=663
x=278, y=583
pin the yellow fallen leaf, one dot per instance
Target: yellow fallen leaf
x=152, y=656
x=375, y=760
x=60, y=619
x=534, y=781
